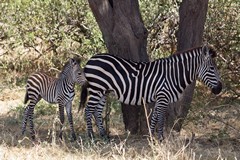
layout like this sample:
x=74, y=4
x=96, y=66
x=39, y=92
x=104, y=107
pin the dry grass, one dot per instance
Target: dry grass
x=126, y=148
x=122, y=145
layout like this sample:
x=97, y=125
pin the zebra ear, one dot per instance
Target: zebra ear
x=75, y=60
x=208, y=51
x=205, y=50
x=212, y=52
x=72, y=61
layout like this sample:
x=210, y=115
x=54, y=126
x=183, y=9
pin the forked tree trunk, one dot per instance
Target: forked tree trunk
x=124, y=33
x=192, y=19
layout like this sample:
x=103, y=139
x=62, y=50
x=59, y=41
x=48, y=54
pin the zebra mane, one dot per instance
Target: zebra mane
x=68, y=66
x=212, y=50
x=186, y=50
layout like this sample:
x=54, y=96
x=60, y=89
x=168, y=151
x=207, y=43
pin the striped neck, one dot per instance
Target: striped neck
x=185, y=66
x=65, y=71
x=68, y=83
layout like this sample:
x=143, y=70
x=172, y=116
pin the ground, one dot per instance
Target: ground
x=205, y=145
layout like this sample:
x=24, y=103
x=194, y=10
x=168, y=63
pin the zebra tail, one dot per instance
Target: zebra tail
x=84, y=95
x=26, y=98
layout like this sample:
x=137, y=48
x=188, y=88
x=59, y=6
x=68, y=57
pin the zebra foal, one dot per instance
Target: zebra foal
x=161, y=81
x=53, y=90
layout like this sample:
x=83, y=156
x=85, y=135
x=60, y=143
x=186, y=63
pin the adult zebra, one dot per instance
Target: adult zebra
x=162, y=81
x=54, y=90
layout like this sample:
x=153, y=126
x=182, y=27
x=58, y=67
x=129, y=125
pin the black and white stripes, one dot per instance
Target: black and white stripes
x=54, y=90
x=161, y=81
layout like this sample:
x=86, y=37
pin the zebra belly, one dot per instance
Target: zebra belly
x=49, y=95
x=130, y=96
x=137, y=101
x=52, y=100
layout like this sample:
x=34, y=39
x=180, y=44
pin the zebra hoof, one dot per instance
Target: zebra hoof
x=33, y=138
x=74, y=137
x=60, y=135
x=160, y=138
x=106, y=138
x=91, y=135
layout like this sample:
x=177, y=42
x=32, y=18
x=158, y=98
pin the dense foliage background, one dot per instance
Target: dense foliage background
x=40, y=36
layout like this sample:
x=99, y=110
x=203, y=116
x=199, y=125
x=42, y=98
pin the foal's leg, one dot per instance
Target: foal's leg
x=28, y=115
x=70, y=120
x=61, y=117
x=25, y=119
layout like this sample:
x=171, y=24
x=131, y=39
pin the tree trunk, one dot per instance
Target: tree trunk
x=192, y=19
x=124, y=33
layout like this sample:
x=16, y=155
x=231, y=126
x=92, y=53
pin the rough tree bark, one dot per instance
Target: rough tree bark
x=124, y=34
x=192, y=19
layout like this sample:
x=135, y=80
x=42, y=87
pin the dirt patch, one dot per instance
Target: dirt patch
x=10, y=99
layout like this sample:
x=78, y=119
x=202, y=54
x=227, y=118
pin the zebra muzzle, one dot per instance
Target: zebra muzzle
x=217, y=89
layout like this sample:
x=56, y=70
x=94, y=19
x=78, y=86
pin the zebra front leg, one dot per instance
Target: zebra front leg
x=161, y=119
x=28, y=115
x=154, y=121
x=159, y=116
x=61, y=117
x=70, y=120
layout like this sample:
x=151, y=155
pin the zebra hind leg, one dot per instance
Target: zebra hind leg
x=26, y=113
x=98, y=117
x=25, y=119
x=30, y=117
